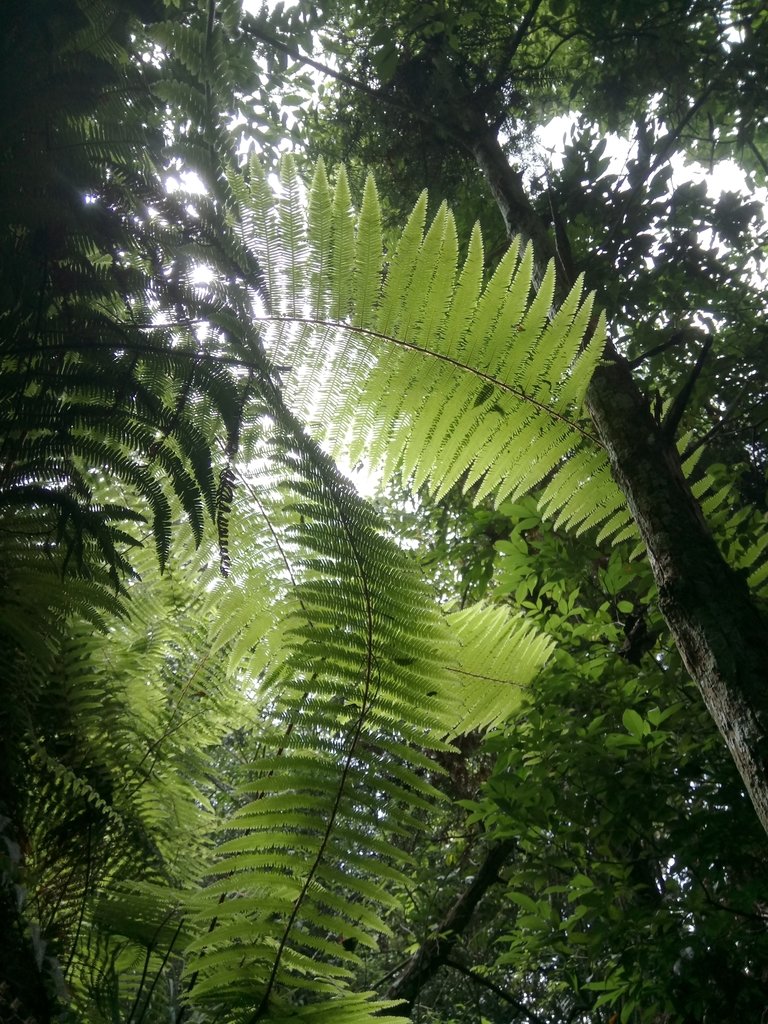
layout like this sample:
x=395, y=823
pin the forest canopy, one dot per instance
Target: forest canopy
x=490, y=745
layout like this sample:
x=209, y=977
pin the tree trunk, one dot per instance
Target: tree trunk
x=719, y=631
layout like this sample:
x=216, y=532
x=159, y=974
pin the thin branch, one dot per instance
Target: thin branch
x=161, y=968
x=675, y=414
x=250, y=25
x=717, y=905
x=758, y=156
x=671, y=341
x=480, y=979
x=718, y=427
x=514, y=45
x=384, y=96
x=437, y=949
x=193, y=980
x=663, y=153
x=147, y=960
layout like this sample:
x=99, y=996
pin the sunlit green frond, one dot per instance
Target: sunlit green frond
x=342, y=249
x=443, y=379
x=359, y=678
x=319, y=233
x=493, y=676
x=369, y=255
x=293, y=247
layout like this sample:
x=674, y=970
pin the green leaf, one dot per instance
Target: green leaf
x=634, y=723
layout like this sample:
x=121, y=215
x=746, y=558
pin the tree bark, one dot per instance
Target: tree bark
x=719, y=631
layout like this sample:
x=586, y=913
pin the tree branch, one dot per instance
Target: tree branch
x=674, y=415
x=514, y=45
x=479, y=979
x=434, y=953
x=674, y=338
x=251, y=26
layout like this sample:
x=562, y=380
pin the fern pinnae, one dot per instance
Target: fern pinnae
x=398, y=383
x=420, y=442
x=508, y=667
x=562, y=339
x=400, y=271
x=319, y=234
x=561, y=496
x=598, y=505
x=466, y=295
x=260, y=229
x=369, y=256
x=478, y=346
x=575, y=387
x=503, y=365
x=293, y=237
x=754, y=555
x=320, y=503
x=504, y=455
x=343, y=249
x=415, y=300
x=592, y=495
x=547, y=452
x=534, y=449
x=505, y=440
x=758, y=577
x=315, y=865
x=616, y=520
x=450, y=448
x=531, y=330
x=429, y=321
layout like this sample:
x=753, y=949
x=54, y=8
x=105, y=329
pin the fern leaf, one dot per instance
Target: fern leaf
x=450, y=382
x=369, y=256
x=342, y=249
x=293, y=249
x=319, y=233
x=494, y=676
x=401, y=269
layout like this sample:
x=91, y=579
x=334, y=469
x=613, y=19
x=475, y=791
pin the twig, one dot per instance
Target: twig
x=675, y=414
x=514, y=45
x=479, y=979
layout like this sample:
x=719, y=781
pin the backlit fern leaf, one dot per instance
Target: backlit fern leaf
x=357, y=676
x=439, y=377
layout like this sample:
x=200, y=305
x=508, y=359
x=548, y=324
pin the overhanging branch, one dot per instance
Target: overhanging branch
x=437, y=949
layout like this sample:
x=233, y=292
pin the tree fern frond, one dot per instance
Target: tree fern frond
x=481, y=346
x=319, y=234
x=493, y=677
x=342, y=248
x=369, y=255
x=401, y=269
x=355, y=688
x=450, y=382
x=186, y=42
x=292, y=228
